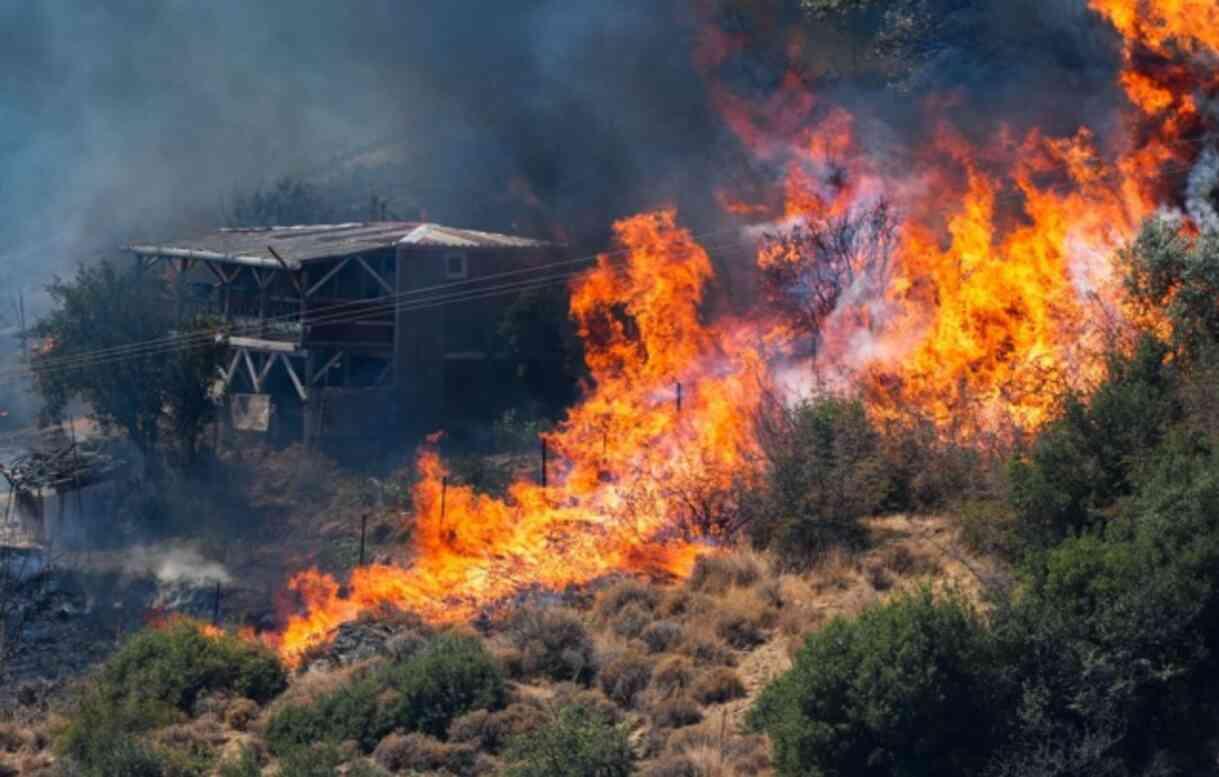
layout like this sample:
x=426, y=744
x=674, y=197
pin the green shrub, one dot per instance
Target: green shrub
x=321, y=760
x=578, y=743
x=423, y=693
x=989, y=527
x=824, y=473
x=246, y=765
x=155, y=678
x=901, y=690
x=1112, y=645
x=1081, y=464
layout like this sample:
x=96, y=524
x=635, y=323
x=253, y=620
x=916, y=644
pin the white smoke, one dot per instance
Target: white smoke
x=1202, y=190
x=173, y=565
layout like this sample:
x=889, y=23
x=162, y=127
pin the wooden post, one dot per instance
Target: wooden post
x=679, y=398
x=80, y=504
x=363, y=534
x=544, y=457
x=216, y=606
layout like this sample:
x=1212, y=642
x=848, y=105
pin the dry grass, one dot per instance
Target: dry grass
x=744, y=618
x=716, y=574
x=418, y=752
x=717, y=686
x=613, y=600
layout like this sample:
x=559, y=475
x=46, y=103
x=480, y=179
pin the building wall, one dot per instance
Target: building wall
x=438, y=344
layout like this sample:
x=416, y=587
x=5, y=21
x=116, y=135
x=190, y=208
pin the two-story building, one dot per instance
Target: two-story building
x=351, y=330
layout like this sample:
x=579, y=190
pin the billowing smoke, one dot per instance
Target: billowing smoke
x=172, y=565
x=129, y=119
x=1202, y=191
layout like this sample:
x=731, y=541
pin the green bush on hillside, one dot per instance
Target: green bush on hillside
x=901, y=690
x=1081, y=464
x=154, y=679
x=579, y=743
x=450, y=676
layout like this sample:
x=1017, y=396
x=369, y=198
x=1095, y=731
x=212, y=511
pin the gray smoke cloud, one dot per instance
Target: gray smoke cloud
x=133, y=118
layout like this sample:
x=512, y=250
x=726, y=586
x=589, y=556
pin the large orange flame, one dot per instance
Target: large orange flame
x=999, y=290
x=627, y=459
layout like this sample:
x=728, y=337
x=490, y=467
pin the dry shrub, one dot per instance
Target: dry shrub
x=419, y=752
x=625, y=676
x=835, y=570
x=591, y=699
x=704, y=644
x=717, y=686
x=315, y=684
x=877, y=576
x=716, y=748
x=716, y=574
x=614, y=599
x=744, y=618
x=676, y=712
x=631, y=620
x=671, y=766
x=673, y=674
x=491, y=731
x=14, y=738
x=199, y=737
x=240, y=713
x=906, y=563
x=661, y=636
x=680, y=603
x=553, y=642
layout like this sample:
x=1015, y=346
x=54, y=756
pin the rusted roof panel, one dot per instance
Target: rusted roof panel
x=306, y=243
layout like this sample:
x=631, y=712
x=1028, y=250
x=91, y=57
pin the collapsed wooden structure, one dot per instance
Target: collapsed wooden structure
x=53, y=472
x=65, y=468
x=343, y=329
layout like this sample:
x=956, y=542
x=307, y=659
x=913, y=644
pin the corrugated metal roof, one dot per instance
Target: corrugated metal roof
x=305, y=243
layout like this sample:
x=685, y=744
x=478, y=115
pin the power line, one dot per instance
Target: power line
x=331, y=314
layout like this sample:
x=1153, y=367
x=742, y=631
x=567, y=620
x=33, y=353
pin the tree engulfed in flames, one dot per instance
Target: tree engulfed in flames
x=999, y=291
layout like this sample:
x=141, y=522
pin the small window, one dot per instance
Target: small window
x=455, y=267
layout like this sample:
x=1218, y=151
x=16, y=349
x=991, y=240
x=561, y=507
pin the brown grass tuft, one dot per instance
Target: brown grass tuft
x=716, y=574
x=614, y=599
x=676, y=712
x=405, y=752
x=744, y=618
x=717, y=686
